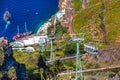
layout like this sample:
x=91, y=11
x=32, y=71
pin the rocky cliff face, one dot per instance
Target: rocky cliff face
x=111, y=55
x=9, y=61
x=66, y=7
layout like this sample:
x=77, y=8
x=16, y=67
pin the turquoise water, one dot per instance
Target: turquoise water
x=33, y=12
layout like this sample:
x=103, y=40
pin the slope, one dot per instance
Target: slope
x=99, y=21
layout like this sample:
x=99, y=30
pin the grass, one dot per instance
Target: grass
x=29, y=59
x=87, y=19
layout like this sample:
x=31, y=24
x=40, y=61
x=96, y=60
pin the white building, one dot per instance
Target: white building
x=31, y=41
x=29, y=49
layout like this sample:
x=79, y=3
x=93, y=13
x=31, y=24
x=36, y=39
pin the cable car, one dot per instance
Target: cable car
x=90, y=49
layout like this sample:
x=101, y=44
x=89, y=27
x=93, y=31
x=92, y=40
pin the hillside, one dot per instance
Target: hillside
x=99, y=20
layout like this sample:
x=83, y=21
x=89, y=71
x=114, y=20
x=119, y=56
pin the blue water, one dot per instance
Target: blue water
x=33, y=12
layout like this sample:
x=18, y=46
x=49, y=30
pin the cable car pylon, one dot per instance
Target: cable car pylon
x=78, y=76
x=52, y=56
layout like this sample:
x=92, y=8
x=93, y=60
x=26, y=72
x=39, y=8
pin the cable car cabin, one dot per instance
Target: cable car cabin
x=90, y=49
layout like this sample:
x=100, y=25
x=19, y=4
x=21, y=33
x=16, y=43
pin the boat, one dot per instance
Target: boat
x=22, y=35
x=17, y=35
x=6, y=16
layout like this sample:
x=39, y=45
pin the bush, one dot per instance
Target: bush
x=46, y=54
x=33, y=76
x=60, y=30
x=69, y=63
x=51, y=28
x=70, y=49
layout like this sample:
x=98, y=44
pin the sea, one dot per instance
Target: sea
x=32, y=12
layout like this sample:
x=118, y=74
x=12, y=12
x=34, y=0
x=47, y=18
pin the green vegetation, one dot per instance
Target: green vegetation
x=29, y=59
x=88, y=20
x=60, y=31
x=70, y=49
x=85, y=20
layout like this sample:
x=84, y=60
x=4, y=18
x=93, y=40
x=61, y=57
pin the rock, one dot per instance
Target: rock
x=105, y=55
x=5, y=77
x=9, y=61
x=116, y=77
x=41, y=63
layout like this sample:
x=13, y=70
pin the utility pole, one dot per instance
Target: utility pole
x=79, y=76
x=52, y=56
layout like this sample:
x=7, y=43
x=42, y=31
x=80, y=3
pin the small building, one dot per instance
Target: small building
x=30, y=41
x=29, y=49
x=18, y=44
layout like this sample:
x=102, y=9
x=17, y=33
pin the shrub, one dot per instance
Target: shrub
x=70, y=49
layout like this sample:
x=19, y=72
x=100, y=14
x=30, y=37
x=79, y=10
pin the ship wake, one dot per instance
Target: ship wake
x=6, y=26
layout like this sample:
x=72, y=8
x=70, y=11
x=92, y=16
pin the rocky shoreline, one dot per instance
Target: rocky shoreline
x=64, y=16
x=43, y=29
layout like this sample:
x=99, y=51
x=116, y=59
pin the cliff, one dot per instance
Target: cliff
x=7, y=61
x=110, y=55
x=65, y=6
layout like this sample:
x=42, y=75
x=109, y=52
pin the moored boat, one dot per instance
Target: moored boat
x=21, y=35
x=6, y=15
